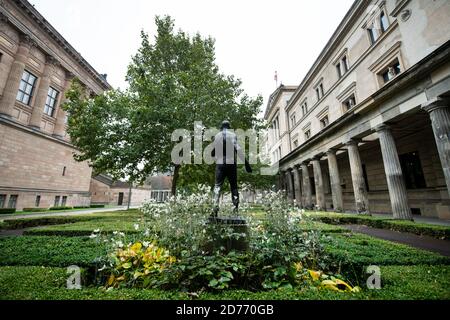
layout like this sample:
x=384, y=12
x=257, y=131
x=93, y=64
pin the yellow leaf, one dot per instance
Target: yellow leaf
x=329, y=284
x=315, y=275
x=342, y=285
x=136, y=247
x=111, y=280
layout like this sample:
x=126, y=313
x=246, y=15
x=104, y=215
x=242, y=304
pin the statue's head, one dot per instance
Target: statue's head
x=225, y=125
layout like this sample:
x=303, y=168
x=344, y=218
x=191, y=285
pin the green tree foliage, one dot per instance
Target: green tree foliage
x=173, y=82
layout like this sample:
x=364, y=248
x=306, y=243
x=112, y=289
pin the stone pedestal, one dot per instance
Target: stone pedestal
x=318, y=180
x=439, y=111
x=335, y=181
x=394, y=175
x=359, y=185
x=238, y=243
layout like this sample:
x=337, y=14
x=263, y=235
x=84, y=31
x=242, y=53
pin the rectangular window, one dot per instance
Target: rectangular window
x=57, y=198
x=324, y=122
x=63, y=201
x=293, y=120
x=344, y=64
x=338, y=69
x=412, y=171
x=322, y=92
x=304, y=108
x=64, y=171
x=384, y=23
x=26, y=88
x=391, y=72
x=50, y=103
x=12, y=203
x=373, y=34
x=295, y=143
x=307, y=134
x=2, y=200
x=349, y=103
x=37, y=202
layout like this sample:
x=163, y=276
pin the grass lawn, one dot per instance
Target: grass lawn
x=34, y=266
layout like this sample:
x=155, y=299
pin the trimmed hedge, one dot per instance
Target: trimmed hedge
x=81, y=207
x=398, y=282
x=60, y=208
x=352, y=253
x=49, y=251
x=97, y=206
x=34, y=209
x=435, y=231
x=85, y=228
x=7, y=210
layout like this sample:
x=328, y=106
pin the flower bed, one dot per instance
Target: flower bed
x=173, y=250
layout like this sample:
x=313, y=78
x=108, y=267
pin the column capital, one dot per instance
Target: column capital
x=352, y=142
x=305, y=162
x=331, y=151
x=318, y=157
x=51, y=60
x=382, y=127
x=27, y=41
x=436, y=103
x=69, y=75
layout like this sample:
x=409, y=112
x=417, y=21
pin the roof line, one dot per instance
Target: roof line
x=55, y=35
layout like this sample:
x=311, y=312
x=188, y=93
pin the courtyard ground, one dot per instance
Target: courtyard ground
x=33, y=263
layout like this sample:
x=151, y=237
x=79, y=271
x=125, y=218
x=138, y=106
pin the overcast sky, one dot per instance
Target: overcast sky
x=253, y=38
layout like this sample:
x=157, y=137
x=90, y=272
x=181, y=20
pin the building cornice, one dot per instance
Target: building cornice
x=340, y=32
x=417, y=72
x=45, y=26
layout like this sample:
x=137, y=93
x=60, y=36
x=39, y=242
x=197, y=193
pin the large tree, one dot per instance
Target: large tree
x=173, y=82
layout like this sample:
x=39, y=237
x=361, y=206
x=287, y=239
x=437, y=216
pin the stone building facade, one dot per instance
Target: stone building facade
x=106, y=191
x=368, y=128
x=37, y=66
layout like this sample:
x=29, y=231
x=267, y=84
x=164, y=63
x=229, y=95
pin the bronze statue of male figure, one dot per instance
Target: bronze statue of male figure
x=226, y=150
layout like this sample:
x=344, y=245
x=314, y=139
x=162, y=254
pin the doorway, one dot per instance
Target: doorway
x=120, y=202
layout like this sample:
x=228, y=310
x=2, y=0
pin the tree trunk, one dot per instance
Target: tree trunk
x=176, y=174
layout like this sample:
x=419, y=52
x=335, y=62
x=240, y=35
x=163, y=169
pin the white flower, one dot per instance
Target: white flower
x=96, y=230
x=119, y=244
x=145, y=244
x=93, y=236
x=121, y=234
x=136, y=227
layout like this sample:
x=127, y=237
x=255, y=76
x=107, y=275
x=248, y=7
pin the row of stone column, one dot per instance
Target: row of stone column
x=18, y=66
x=439, y=112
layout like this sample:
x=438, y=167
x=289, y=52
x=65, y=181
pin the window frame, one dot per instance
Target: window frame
x=12, y=201
x=51, y=101
x=22, y=92
x=3, y=198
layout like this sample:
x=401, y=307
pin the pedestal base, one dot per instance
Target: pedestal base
x=238, y=242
